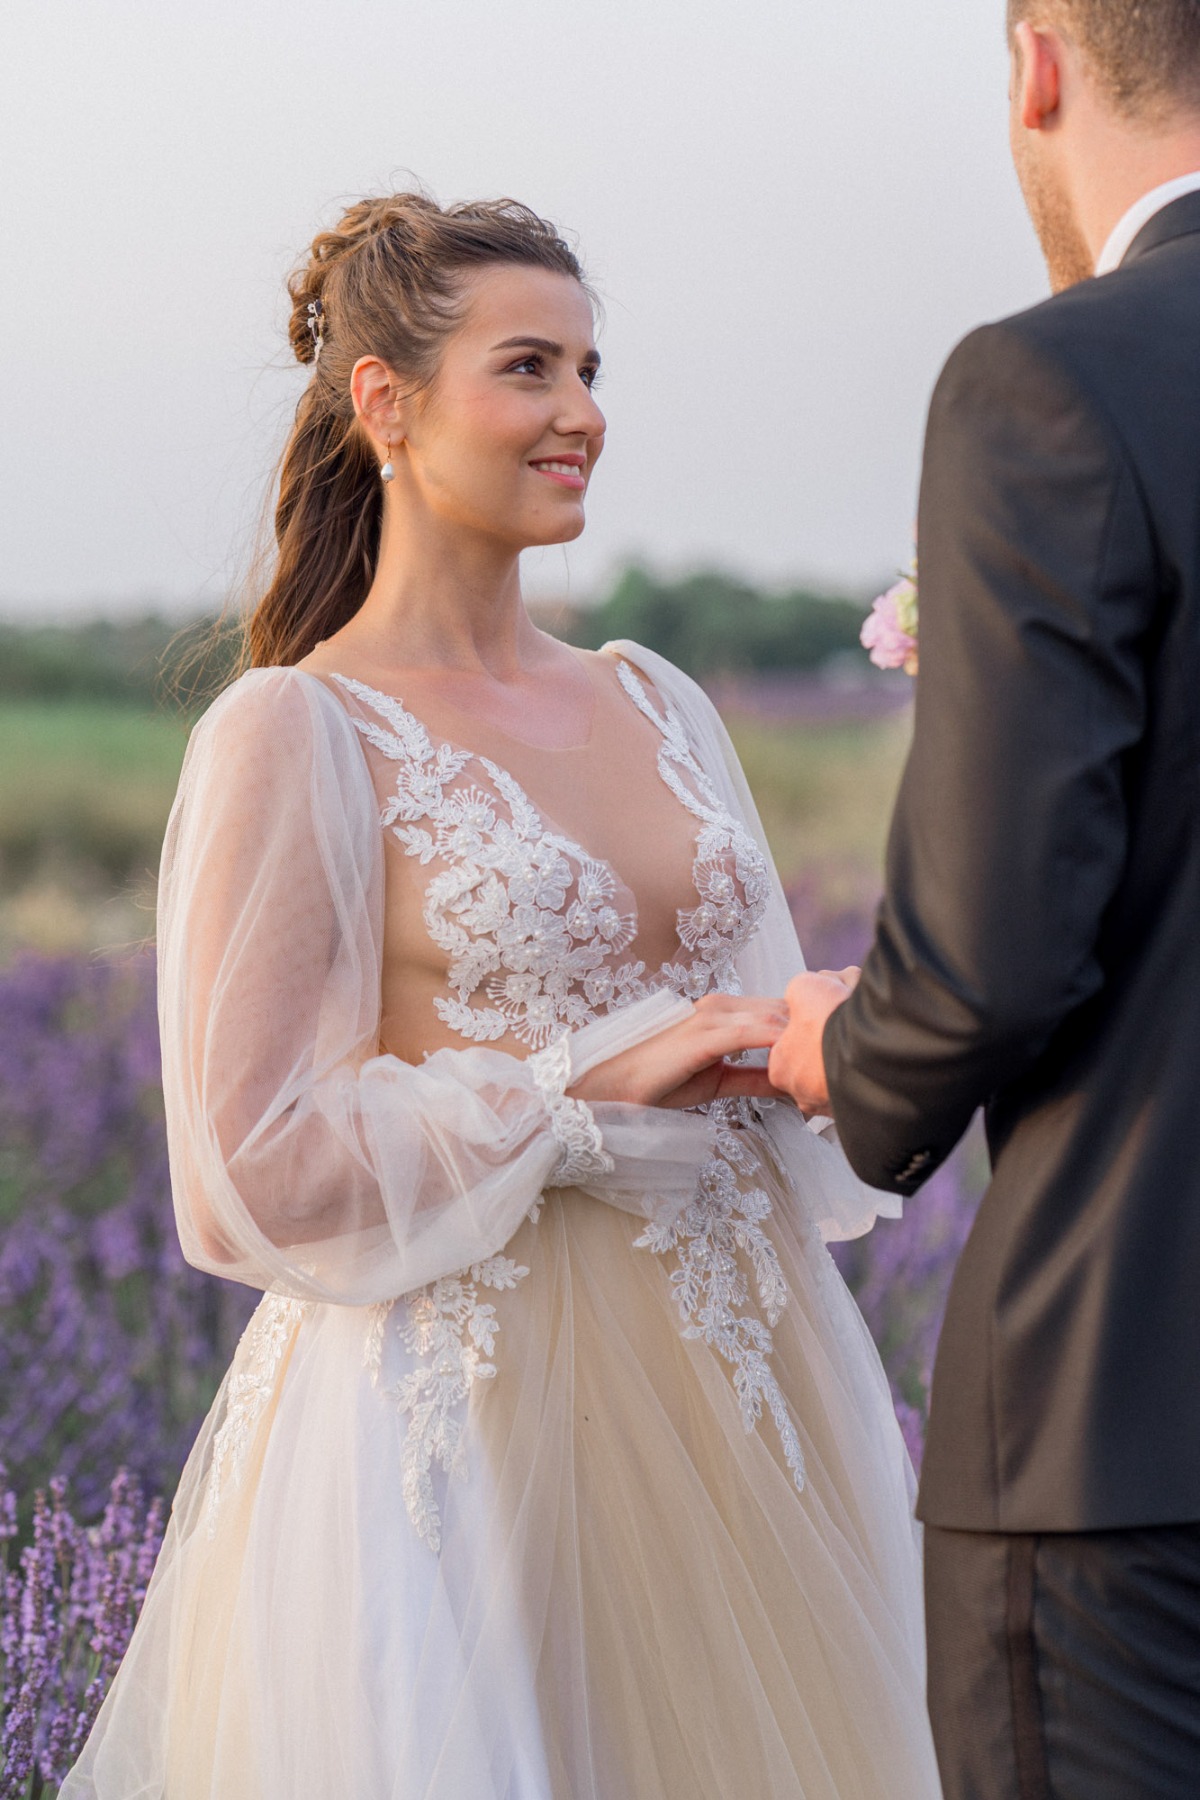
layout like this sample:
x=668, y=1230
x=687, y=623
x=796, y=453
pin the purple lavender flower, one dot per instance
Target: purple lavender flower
x=900, y=1272
x=112, y=1347
x=833, y=934
x=68, y=1605
x=900, y=1275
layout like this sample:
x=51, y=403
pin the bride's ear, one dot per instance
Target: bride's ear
x=375, y=393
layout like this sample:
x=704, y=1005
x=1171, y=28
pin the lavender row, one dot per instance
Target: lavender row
x=111, y=1347
x=68, y=1603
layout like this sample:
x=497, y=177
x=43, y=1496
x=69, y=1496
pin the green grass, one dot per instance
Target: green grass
x=825, y=792
x=84, y=787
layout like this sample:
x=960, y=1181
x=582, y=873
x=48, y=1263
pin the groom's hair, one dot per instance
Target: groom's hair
x=1145, y=53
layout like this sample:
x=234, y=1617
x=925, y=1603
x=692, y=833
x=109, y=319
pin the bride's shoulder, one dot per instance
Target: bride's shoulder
x=271, y=712
x=272, y=728
x=279, y=744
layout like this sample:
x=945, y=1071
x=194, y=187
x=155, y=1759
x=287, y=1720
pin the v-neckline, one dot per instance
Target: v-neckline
x=551, y=830
x=668, y=729
x=666, y=725
x=401, y=737
x=554, y=750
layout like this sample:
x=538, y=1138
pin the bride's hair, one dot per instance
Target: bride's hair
x=386, y=281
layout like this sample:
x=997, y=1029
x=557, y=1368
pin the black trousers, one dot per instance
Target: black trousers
x=1065, y=1666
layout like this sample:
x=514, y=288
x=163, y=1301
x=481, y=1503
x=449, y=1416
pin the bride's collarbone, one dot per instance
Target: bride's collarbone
x=541, y=713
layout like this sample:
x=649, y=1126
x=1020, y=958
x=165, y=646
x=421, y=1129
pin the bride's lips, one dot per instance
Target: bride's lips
x=566, y=470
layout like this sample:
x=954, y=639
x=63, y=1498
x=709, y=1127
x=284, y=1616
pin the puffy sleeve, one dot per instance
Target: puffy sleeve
x=303, y=1159
x=841, y=1205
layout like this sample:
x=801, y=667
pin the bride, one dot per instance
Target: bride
x=556, y=1462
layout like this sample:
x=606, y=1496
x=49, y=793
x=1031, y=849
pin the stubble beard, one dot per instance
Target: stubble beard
x=1064, y=246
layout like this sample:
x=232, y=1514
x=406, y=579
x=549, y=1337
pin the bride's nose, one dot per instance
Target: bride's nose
x=579, y=416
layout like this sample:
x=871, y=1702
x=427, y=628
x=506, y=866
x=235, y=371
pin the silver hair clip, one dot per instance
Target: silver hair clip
x=316, y=326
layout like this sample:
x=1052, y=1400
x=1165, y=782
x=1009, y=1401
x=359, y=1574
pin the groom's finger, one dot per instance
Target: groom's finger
x=847, y=977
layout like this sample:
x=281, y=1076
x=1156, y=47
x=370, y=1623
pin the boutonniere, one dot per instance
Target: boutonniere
x=890, y=631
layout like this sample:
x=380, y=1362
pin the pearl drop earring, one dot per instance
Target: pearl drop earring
x=388, y=473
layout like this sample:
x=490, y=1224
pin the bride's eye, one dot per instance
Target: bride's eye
x=533, y=364
x=590, y=376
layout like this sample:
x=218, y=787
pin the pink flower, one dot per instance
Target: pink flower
x=890, y=631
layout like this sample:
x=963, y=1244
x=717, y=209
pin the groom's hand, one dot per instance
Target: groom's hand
x=797, y=1064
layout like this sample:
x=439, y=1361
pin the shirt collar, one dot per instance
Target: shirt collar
x=1139, y=214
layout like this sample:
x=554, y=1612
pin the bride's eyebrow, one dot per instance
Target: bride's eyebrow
x=548, y=348
x=531, y=343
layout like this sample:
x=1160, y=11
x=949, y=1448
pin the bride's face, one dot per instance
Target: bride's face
x=504, y=441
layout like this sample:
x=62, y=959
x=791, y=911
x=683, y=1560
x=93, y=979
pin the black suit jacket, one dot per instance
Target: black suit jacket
x=1038, y=948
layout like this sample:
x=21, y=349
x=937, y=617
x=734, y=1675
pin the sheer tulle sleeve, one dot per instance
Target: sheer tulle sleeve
x=302, y=1159
x=843, y=1206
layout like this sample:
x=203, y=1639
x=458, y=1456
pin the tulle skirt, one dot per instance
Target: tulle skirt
x=512, y=1539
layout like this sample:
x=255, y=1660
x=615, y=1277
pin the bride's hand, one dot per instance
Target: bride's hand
x=685, y=1065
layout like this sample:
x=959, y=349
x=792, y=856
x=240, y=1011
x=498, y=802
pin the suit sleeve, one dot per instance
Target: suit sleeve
x=1038, y=586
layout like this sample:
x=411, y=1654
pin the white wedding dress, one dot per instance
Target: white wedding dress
x=556, y=1462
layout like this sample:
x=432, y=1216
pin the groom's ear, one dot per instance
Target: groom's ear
x=1037, y=75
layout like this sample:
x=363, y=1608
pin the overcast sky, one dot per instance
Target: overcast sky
x=792, y=211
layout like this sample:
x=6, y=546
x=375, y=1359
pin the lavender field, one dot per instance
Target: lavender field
x=111, y=1348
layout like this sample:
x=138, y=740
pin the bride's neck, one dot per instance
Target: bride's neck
x=443, y=597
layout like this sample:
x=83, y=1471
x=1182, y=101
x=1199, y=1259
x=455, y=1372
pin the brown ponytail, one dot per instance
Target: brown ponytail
x=387, y=282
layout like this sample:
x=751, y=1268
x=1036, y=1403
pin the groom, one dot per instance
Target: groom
x=1038, y=948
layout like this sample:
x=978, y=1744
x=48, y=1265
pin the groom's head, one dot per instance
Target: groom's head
x=1105, y=103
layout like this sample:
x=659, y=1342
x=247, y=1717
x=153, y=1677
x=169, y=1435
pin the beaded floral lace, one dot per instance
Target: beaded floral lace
x=451, y=1331
x=582, y=1155
x=252, y=1378
x=709, y=1283
x=524, y=914
x=535, y=931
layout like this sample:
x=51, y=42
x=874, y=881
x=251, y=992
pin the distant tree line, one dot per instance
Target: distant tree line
x=129, y=660
x=707, y=623
x=711, y=623
x=146, y=661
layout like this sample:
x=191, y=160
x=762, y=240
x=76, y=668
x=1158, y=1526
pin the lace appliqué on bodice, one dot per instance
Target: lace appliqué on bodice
x=525, y=916
x=731, y=901
x=534, y=936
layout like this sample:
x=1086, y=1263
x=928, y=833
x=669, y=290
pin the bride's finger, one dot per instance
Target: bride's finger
x=715, y=1009
x=701, y=1052
x=758, y=1021
x=742, y=1080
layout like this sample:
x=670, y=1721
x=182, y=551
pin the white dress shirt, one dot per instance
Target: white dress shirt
x=1139, y=214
